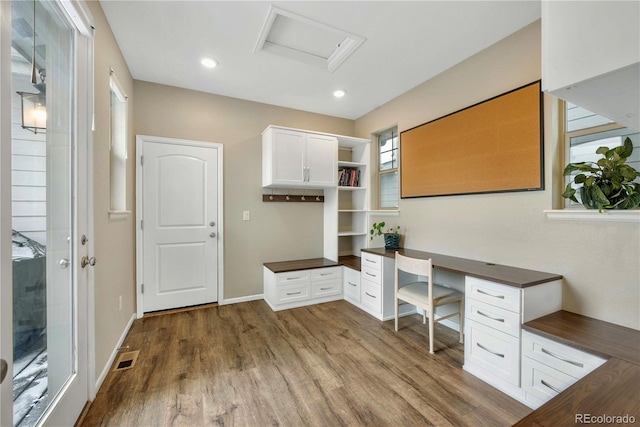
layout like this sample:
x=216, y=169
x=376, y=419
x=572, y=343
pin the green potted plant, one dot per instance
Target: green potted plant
x=607, y=183
x=391, y=234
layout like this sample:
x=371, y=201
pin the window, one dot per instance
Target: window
x=118, y=146
x=586, y=131
x=388, y=190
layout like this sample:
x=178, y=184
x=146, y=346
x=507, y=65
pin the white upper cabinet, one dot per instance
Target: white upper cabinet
x=591, y=56
x=298, y=159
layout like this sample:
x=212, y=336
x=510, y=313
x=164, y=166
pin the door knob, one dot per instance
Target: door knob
x=87, y=261
x=212, y=234
x=3, y=369
x=212, y=223
x=64, y=263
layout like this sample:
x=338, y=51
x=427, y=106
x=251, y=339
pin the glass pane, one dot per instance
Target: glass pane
x=389, y=190
x=578, y=118
x=43, y=285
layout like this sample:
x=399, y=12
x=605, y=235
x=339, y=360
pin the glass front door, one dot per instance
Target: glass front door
x=42, y=144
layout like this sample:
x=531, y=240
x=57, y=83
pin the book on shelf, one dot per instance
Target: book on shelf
x=349, y=177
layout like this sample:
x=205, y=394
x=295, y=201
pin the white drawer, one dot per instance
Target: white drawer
x=326, y=288
x=502, y=296
x=495, y=317
x=352, y=284
x=292, y=277
x=559, y=356
x=371, y=261
x=495, y=351
x=326, y=273
x=371, y=296
x=292, y=293
x=541, y=382
x=371, y=274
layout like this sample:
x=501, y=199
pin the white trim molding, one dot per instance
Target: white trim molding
x=241, y=299
x=632, y=215
x=114, y=353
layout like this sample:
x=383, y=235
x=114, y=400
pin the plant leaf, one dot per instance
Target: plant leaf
x=625, y=150
x=603, y=150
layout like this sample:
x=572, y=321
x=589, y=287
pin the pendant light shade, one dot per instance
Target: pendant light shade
x=34, y=111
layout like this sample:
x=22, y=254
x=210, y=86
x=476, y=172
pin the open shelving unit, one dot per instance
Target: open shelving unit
x=346, y=207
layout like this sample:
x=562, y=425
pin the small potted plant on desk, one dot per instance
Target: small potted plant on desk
x=609, y=183
x=391, y=234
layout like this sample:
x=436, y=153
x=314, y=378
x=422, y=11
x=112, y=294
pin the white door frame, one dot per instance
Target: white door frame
x=140, y=140
x=6, y=272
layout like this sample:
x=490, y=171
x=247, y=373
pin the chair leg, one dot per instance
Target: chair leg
x=431, y=331
x=461, y=317
x=396, y=312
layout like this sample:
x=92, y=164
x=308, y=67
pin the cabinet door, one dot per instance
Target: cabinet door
x=287, y=157
x=322, y=160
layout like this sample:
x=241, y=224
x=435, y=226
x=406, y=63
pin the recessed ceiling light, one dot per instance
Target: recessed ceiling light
x=339, y=93
x=209, y=63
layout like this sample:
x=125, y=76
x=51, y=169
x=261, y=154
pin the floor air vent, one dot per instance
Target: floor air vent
x=126, y=360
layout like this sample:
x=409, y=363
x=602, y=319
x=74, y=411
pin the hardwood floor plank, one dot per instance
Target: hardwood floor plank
x=324, y=365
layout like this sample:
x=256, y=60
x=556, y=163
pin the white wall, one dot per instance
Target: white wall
x=600, y=261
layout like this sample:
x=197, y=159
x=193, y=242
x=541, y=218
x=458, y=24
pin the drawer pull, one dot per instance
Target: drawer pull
x=574, y=363
x=325, y=289
x=490, y=351
x=326, y=274
x=294, y=278
x=369, y=274
x=543, y=382
x=372, y=296
x=480, y=291
x=370, y=260
x=490, y=317
x=294, y=293
x=352, y=284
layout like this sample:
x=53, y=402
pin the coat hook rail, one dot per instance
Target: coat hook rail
x=306, y=198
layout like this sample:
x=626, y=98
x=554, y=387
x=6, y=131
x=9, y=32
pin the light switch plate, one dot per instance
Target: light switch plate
x=246, y=215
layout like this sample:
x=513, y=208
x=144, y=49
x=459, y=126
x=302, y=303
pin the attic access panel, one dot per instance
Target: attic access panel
x=491, y=147
x=295, y=37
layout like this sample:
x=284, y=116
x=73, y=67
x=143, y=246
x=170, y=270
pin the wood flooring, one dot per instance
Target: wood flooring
x=324, y=365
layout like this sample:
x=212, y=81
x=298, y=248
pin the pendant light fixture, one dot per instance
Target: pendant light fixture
x=34, y=110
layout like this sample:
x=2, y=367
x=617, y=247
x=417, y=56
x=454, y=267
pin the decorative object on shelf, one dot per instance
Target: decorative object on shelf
x=391, y=234
x=607, y=183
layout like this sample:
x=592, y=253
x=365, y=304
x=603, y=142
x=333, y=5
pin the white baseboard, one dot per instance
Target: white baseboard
x=241, y=299
x=114, y=354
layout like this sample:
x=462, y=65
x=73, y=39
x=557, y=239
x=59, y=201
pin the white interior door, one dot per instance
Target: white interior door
x=180, y=222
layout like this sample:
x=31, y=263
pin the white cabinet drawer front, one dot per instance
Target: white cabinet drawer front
x=502, y=296
x=292, y=277
x=495, y=317
x=371, y=261
x=371, y=274
x=287, y=294
x=371, y=295
x=542, y=381
x=352, y=284
x=495, y=351
x=326, y=273
x=559, y=356
x=326, y=288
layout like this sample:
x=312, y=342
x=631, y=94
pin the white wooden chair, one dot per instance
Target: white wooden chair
x=425, y=295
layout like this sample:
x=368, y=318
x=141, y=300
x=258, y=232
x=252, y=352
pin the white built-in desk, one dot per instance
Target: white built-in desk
x=498, y=300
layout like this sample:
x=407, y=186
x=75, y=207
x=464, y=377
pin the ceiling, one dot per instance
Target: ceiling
x=405, y=44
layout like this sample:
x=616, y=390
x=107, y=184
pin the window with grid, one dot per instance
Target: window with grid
x=388, y=184
x=585, y=131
